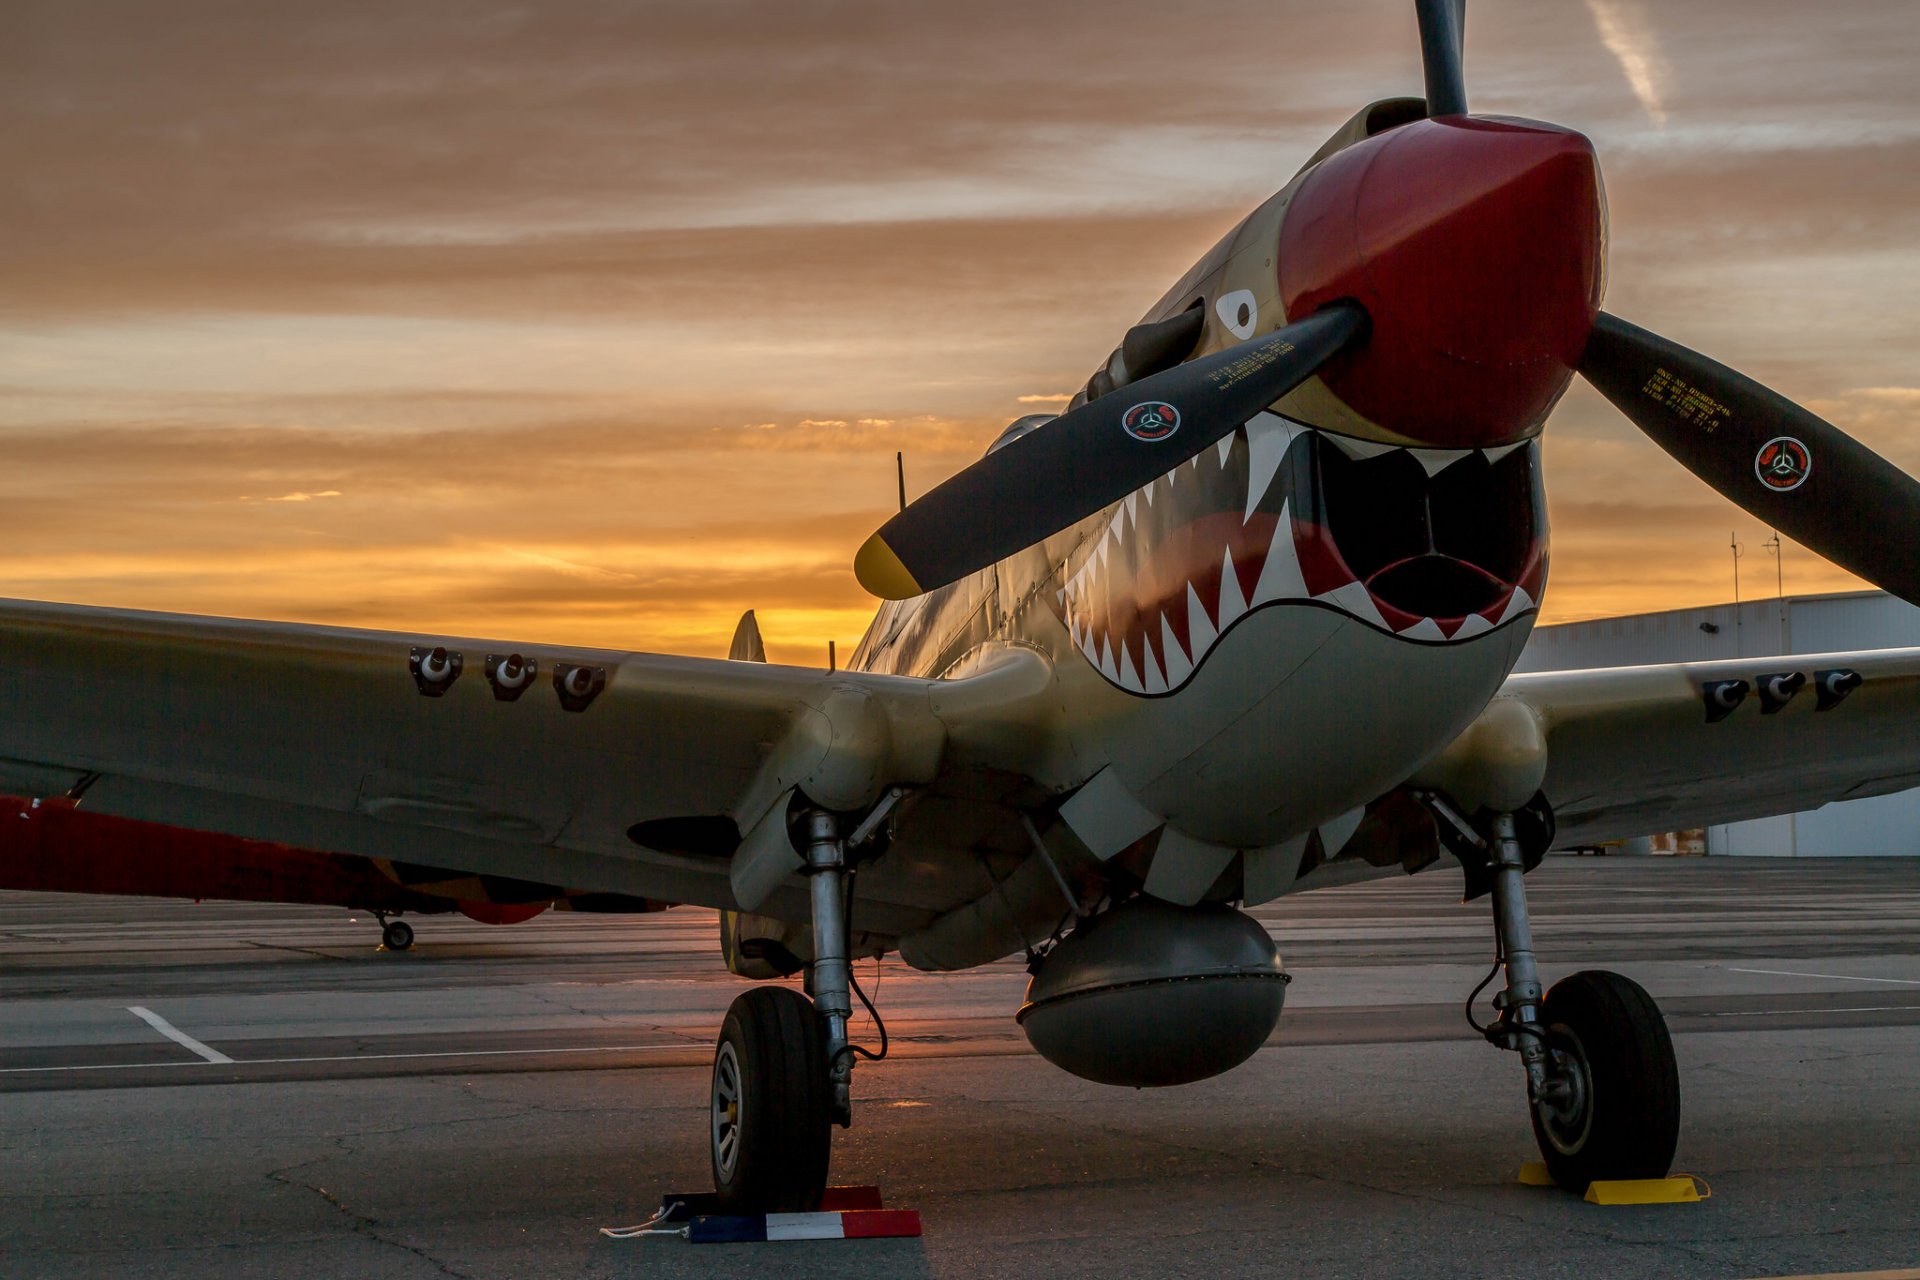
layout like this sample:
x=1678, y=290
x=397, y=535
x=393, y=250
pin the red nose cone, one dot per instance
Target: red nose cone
x=1477, y=246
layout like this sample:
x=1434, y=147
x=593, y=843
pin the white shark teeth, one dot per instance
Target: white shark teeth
x=1179, y=667
x=1473, y=626
x=1129, y=676
x=1517, y=604
x=1155, y=682
x=1201, y=633
x=1268, y=439
x=1280, y=577
x=1233, y=602
x=1434, y=461
x=1354, y=599
x=1359, y=450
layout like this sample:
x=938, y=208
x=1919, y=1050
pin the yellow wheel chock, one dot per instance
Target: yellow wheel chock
x=1681, y=1189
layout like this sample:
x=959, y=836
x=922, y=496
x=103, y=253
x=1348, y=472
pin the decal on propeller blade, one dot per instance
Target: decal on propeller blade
x=1151, y=421
x=1687, y=402
x=1248, y=365
x=1783, y=464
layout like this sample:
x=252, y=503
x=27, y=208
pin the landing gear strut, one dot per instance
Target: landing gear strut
x=1601, y=1079
x=395, y=935
x=783, y=1069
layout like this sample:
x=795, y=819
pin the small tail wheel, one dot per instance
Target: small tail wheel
x=1617, y=1114
x=772, y=1104
x=396, y=935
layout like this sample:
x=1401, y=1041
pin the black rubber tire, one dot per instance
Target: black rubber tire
x=1630, y=1122
x=397, y=935
x=784, y=1121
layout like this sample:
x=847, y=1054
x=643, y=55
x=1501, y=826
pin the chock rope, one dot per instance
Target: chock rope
x=651, y=1227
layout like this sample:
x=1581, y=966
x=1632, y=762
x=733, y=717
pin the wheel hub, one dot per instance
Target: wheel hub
x=726, y=1110
x=1565, y=1116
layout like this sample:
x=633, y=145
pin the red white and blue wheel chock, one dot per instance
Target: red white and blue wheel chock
x=845, y=1213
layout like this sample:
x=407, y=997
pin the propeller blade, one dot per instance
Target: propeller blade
x=1799, y=473
x=1443, y=25
x=1093, y=456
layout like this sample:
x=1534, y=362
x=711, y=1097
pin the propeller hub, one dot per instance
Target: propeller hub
x=1477, y=246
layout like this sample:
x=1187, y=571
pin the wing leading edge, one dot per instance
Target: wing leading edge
x=602, y=770
x=1634, y=750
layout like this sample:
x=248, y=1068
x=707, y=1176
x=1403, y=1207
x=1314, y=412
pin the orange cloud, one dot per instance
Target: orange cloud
x=603, y=326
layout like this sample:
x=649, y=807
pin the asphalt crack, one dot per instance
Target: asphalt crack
x=364, y=1225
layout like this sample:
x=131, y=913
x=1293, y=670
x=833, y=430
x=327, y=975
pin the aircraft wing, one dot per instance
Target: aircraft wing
x=601, y=770
x=1636, y=750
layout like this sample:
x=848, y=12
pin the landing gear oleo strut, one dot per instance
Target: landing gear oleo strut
x=783, y=1069
x=395, y=934
x=1601, y=1079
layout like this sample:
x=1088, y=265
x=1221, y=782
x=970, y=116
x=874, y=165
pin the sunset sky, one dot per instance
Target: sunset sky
x=601, y=323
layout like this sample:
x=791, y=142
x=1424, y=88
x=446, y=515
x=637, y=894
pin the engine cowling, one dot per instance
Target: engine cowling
x=1154, y=994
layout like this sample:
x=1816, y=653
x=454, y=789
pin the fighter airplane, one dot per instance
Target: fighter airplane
x=1239, y=623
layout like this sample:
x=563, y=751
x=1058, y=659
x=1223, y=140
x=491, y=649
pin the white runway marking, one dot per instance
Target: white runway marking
x=341, y=1057
x=1858, y=1275
x=1793, y=1013
x=175, y=1034
x=1831, y=977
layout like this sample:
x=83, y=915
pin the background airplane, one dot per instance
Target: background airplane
x=51, y=844
x=1240, y=623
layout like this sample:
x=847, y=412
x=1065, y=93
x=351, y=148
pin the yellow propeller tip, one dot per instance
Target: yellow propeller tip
x=880, y=571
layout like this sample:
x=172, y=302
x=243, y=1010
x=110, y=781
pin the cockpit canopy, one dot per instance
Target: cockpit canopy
x=1019, y=427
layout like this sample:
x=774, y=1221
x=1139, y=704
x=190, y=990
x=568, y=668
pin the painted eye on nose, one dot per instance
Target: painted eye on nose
x=1239, y=312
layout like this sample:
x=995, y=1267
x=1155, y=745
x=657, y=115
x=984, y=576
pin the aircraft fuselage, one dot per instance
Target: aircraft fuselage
x=1289, y=624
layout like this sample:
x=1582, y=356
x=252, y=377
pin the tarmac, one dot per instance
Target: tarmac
x=196, y=1089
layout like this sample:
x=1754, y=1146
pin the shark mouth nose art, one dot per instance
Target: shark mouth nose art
x=1432, y=546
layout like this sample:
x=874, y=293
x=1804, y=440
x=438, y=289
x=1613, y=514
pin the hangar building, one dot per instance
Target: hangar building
x=1880, y=825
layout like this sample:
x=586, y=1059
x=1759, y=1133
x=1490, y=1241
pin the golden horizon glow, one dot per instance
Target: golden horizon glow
x=589, y=328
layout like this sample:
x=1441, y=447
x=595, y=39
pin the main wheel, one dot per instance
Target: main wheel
x=772, y=1104
x=396, y=935
x=1621, y=1115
